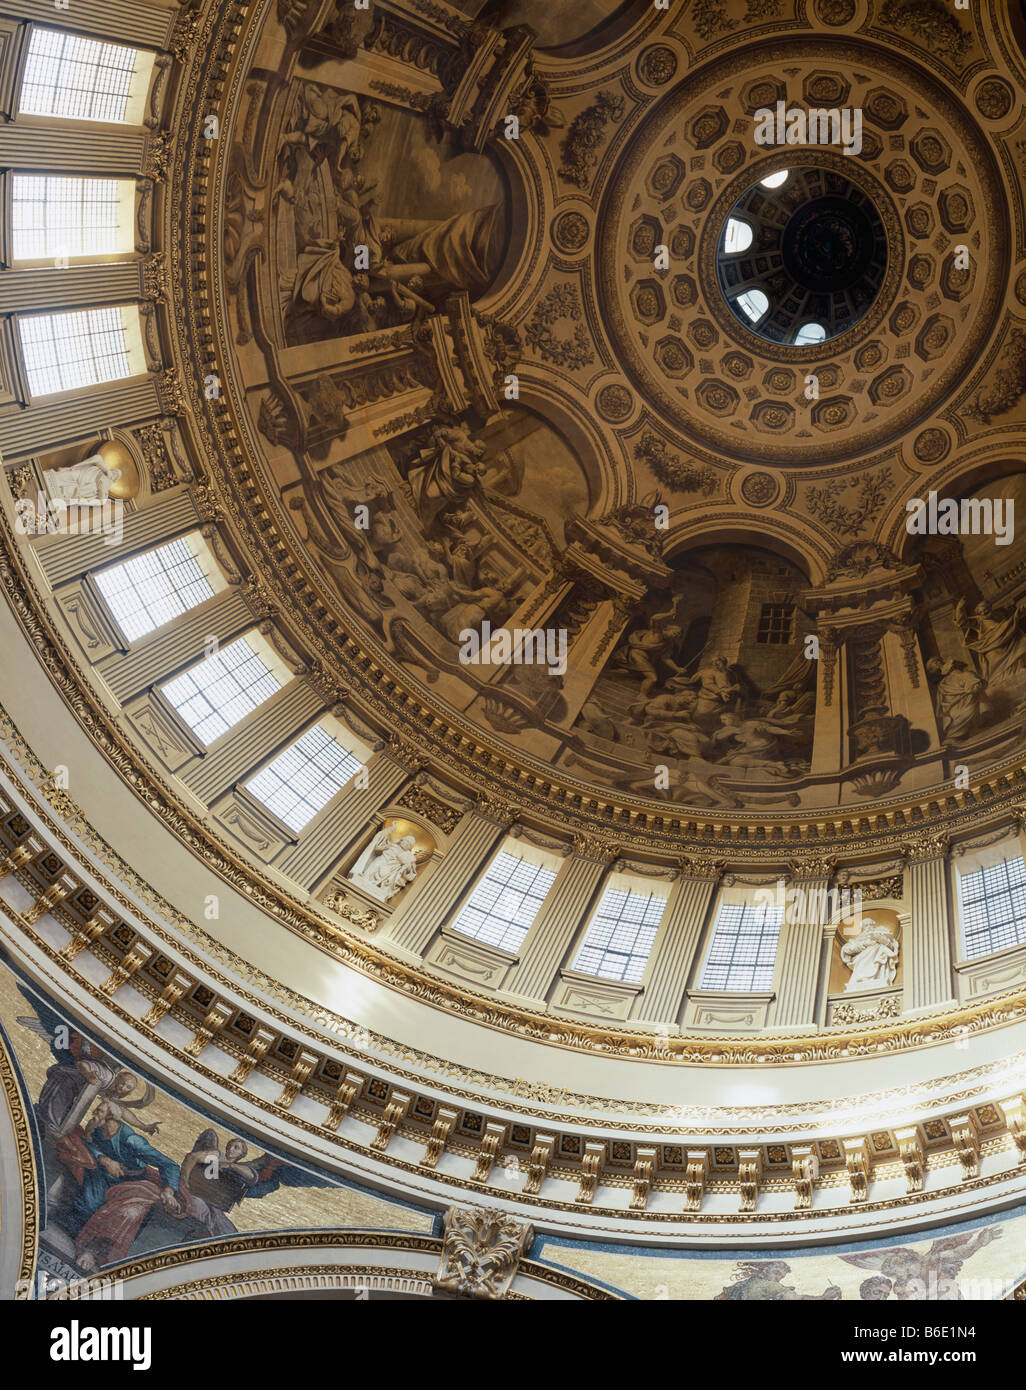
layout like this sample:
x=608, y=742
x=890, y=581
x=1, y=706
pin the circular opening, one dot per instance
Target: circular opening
x=802, y=256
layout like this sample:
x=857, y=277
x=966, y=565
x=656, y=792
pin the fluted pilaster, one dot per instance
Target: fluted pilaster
x=469, y=847
x=686, y=914
x=317, y=853
x=797, y=974
x=553, y=930
x=927, y=944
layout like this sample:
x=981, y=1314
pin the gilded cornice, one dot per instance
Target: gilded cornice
x=18, y=1115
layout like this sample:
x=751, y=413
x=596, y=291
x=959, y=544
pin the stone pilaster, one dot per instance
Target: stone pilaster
x=471, y=843
x=316, y=855
x=562, y=913
x=677, y=945
x=927, y=942
x=797, y=974
x=125, y=21
x=76, y=415
x=39, y=289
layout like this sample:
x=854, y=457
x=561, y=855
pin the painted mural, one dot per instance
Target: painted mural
x=129, y=1169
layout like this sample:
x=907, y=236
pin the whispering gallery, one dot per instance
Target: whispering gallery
x=512, y=756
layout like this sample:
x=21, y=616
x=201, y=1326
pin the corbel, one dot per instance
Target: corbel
x=256, y=1049
x=396, y=1108
x=749, y=1173
x=53, y=895
x=856, y=1160
x=1014, y=1112
x=298, y=1077
x=136, y=956
x=445, y=1118
x=591, y=1163
x=644, y=1171
x=965, y=1134
x=216, y=1017
x=695, y=1177
x=84, y=936
x=167, y=999
x=16, y=859
x=541, y=1156
x=805, y=1171
x=489, y=1151
x=913, y=1157
x=345, y=1093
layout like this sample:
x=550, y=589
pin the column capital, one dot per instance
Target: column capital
x=692, y=867
x=812, y=868
x=594, y=847
x=925, y=847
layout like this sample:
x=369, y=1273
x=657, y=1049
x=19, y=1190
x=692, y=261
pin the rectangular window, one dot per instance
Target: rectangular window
x=776, y=624
x=150, y=589
x=744, y=947
x=302, y=780
x=53, y=215
x=993, y=908
x=77, y=78
x=620, y=938
x=505, y=902
x=65, y=351
x=216, y=694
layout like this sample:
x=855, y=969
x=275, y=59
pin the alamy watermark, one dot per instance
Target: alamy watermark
x=45, y=516
x=783, y=125
x=972, y=516
x=519, y=646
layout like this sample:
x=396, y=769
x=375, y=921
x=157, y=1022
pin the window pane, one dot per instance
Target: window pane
x=65, y=351
x=620, y=938
x=744, y=947
x=221, y=690
x=993, y=903
x=506, y=901
x=754, y=303
x=85, y=79
x=55, y=216
x=304, y=778
x=151, y=589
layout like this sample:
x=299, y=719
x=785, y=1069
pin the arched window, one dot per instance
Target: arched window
x=621, y=934
x=507, y=898
x=63, y=352
x=83, y=79
x=222, y=689
x=304, y=778
x=743, y=949
x=54, y=215
x=776, y=180
x=737, y=237
x=993, y=908
x=809, y=333
x=754, y=303
x=150, y=589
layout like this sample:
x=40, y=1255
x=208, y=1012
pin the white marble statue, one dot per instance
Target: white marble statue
x=872, y=957
x=88, y=481
x=386, y=865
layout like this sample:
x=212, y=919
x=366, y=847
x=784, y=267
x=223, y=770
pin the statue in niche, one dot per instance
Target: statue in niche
x=89, y=481
x=958, y=697
x=996, y=638
x=872, y=957
x=387, y=865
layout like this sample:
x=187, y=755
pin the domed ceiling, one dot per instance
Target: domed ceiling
x=468, y=381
